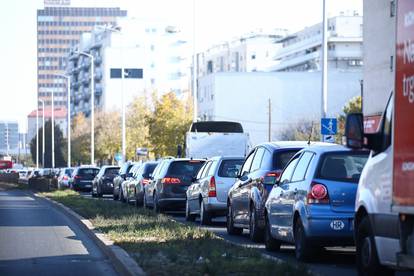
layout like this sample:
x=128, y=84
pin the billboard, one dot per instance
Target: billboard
x=403, y=188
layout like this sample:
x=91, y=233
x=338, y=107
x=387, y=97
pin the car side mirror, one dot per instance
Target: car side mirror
x=354, y=130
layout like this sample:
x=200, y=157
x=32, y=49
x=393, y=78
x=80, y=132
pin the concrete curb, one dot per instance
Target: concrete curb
x=123, y=263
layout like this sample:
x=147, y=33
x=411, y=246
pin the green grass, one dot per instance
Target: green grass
x=162, y=246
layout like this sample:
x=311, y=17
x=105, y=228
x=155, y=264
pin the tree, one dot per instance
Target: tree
x=60, y=146
x=353, y=106
x=168, y=124
x=303, y=130
x=137, y=133
x=80, y=140
x=107, y=136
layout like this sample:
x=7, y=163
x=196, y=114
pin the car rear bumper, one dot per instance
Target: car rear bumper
x=214, y=206
x=335, y=229
x=83, y=185
x=173, y=203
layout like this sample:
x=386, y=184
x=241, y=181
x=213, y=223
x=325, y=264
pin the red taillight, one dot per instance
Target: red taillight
x=77, y=177
x=212, y=187
x=170, y=180
x=65, y=177
x=318, y=194
x=145, y=181
x=271, y=178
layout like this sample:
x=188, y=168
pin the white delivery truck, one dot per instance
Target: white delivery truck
x=384, y=218
x=216, y=138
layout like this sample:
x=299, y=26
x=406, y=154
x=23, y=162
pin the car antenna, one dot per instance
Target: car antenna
x=310, y=134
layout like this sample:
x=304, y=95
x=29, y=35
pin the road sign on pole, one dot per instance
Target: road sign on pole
x=118, y=156
x=329, y=126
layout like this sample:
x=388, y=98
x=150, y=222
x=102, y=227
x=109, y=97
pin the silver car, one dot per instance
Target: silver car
x=207, y=194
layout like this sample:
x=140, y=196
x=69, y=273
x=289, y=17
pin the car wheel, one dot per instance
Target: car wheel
x=157, y=207
x=256, y=234
x=138, y=203
x=121, y=195
x=302, y=248
x=205, y=217
x=231, y=229
x=188, y=215
x=144, y=202
x=98, y=191
x=366, y=252
x=116, y=194
x=271, y=243
x=93, y=193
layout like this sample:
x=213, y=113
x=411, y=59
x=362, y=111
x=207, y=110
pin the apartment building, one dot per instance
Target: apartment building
x=59, y=27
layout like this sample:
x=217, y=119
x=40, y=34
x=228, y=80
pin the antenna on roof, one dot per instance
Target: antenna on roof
x=310, y=134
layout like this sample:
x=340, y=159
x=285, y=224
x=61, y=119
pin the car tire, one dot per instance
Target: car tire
x=99, y=192
x=366, y=252
x=205, y=216
x=157, y=207
x=144, y=202
x=255, y=233
x=271, y=244
x=93, y=193
x=115, y=195
x=121, y=195
x=138, y=203
x=302, y=247
x=231, y=229
x=188, y=215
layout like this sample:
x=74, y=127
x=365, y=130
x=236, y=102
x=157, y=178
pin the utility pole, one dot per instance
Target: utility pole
x=270, y=120
x=324, y=63
x=53, y=130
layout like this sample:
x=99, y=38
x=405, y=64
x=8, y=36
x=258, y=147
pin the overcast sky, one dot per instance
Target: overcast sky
x=215, y=21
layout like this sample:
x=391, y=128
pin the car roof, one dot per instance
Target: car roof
x=293, y=144
x=333, y=148
x=226, y=157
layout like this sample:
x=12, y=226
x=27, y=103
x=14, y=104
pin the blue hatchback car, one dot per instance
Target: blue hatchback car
x=312, y=204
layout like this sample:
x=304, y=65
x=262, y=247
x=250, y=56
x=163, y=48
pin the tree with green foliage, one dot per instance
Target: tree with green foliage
x=80, y=140
x=168, y=124
x=303, y=130
x=60, y=146
x=353, y=106
x=107, y=136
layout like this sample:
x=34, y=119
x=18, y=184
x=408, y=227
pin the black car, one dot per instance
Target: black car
x=102, y=184
x=82, y=178
x=121, y=177
x=169, y=182
x=135, y=187
x=247, y=197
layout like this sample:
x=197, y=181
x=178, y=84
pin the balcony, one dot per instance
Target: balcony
x=98, y=60
x=98, y=75
x=98, y=90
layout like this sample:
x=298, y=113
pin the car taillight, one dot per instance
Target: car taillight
x=318, y=194
x=271, y=177
x=212, y=187
x=65, y=177
x=77, y=177
x=170, y=180
x=145, y=181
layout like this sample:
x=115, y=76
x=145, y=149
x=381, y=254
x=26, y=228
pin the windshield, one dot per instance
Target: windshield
x=187, y=168
x=88, y=171
x=230, y=168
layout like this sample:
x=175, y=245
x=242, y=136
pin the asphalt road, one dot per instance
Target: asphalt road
x=36, y=239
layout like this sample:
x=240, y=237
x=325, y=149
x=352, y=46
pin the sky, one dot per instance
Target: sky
x=214, y=21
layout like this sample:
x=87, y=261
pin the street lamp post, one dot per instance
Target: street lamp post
x=53, y=130
x=92, y=106
x=37, y=136
x=123, y=75
x=69, y=120
x=43, y=132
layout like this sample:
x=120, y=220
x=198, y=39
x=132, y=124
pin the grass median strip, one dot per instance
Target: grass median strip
x=162, y=246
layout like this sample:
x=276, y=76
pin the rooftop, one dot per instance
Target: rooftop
x=60, y=112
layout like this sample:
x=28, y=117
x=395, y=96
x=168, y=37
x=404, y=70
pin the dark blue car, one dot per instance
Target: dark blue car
x=312, y=205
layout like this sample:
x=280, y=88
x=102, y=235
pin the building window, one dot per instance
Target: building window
x=253, y=56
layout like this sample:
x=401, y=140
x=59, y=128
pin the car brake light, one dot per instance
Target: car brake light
x=65, y=177
x=318, y=194
x=77, y=176
x=170, y=180
x=212, y=187
x=145, y=181
x=270, y=178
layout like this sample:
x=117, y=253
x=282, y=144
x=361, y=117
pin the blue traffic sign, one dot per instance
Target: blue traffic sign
x=118, y=156
x=329, y=126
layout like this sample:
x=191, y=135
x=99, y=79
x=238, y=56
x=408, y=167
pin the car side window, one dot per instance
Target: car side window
x=257, y=160
x=200, y=172
x=287, y=173
x=213, y=168
x=302, y=167
x=266, y=160
x=246, y=166
x=207, y=169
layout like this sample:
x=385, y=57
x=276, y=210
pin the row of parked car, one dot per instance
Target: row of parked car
x=283, y=192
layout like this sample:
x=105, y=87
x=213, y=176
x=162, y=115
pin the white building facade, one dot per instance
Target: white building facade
x=301, y=51
x=153, y=55
x=295, y=97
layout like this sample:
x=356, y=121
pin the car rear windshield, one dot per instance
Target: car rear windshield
x=230, y=168
x=281, y=158
x=345, y=166
x=88, y=171
x=111, y=170
x=68, y=171
x=185, y=167
x=149, y=168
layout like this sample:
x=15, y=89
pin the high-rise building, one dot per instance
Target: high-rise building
x=59, y=27
x=9, y=137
